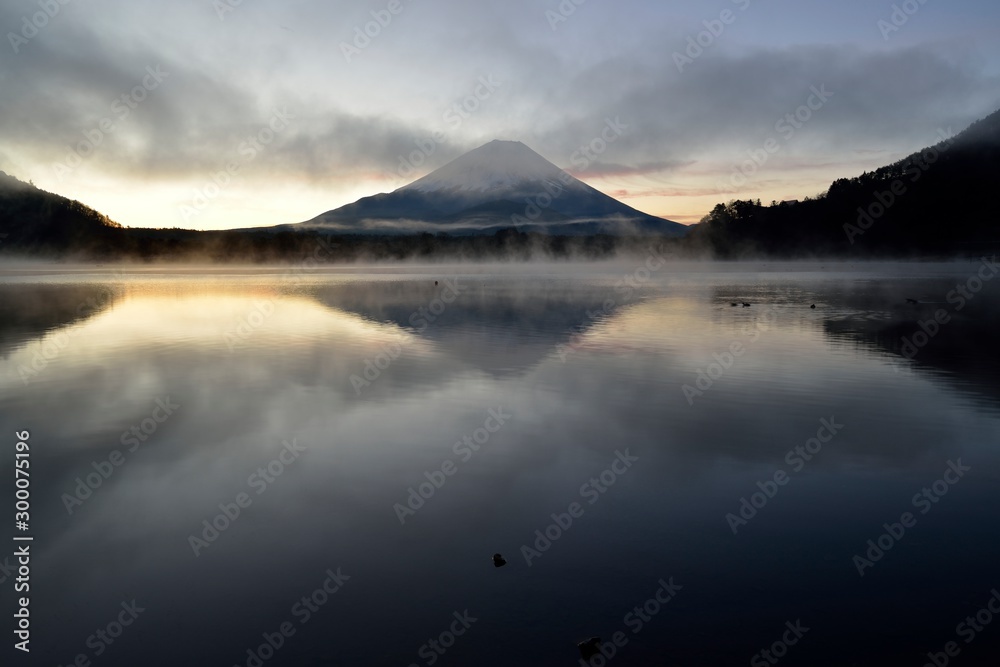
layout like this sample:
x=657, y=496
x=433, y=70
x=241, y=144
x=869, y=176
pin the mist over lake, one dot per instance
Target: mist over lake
x=278, y=467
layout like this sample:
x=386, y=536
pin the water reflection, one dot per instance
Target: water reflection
x=585, y=373
x=28, y=311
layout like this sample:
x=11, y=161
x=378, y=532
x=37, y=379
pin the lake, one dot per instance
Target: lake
x=315, y=466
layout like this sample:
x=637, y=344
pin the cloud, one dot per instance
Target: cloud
x=598, y=168
x=668, y=192
x=730, y=102
x=355, y=122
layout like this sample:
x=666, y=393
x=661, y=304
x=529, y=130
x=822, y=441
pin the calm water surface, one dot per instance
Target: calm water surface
x=396, y=433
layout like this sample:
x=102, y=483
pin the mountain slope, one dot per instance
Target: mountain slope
x=940, y=200
x=499, y=167
x=33, y=220
x=499, y=185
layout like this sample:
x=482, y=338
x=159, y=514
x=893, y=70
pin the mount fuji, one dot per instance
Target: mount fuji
x=500, y=185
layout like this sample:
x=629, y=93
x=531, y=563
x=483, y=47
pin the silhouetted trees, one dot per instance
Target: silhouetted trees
x=938, y=201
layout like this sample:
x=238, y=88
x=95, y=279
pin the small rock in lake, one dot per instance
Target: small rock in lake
x=589, y=648
x=498, y=560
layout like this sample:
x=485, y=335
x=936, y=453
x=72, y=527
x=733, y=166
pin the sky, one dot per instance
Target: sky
x=215, y=114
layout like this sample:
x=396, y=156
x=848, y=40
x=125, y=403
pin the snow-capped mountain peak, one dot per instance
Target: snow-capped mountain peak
x=496, y=166
x=500, y=185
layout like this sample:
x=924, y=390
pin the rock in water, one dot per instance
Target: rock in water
x=589, y=648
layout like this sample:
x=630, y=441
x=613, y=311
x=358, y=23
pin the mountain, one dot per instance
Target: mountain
x=36, y=221
x=500, y=185
x=41, y=225
x=938, y=201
